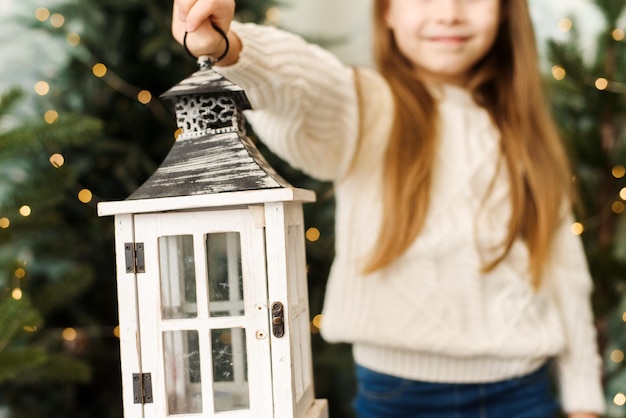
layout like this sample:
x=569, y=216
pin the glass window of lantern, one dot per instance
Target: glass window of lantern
x=225, y=287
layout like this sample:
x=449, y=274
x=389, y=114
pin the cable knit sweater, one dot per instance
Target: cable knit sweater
x=431, y=315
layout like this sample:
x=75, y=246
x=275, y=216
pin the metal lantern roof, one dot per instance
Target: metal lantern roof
x=213, y=153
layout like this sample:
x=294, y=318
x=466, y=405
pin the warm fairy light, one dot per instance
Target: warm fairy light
x=577, y=228
x=57, y=20
x=20, y=273
x=57, y=160
x=17, y=293
x=618, y=171
x=42, y=14
x=622, y=193
x=25, y=210
x=312, y=234
x=99, y=70
x=72, y=38
x=601, y=83
x=619, y=399
x=618, y=207
x=617, y=356
x=618, y=34
x=144, y=97
x=624, y=317
x=42, y=88
x=85, y=196
x=565, y=25
x=30, y=328
x=317, y=321
x=272, y=15
x=178, y=132
x=116, y=331
x=51, y=116
x=558, y=72
x=69, y=334
x=4, y=223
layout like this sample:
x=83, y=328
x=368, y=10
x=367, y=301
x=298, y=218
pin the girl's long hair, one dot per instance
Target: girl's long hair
x=507, y=82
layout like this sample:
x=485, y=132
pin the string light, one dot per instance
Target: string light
x=144, y=97
x=617, y=356
x=72, y=38
x=25, y=211
x=622, y=193
x=618, y=34
x=577, y=228
x=624, y=317
x=20, y=273
x=30, y=328
x=99, y=70
x=558, y=72
x=69, y=334
x=42, y=88
x=42, y=14
x=116, y=331
x=57, y=160
x=618, y=207
x=272, y=15
x=618, y=171
x=565, y=25
x=57, y=20
x=51, y=116
x=17, y=293
x=312, y=234
x=4, y=223
x=178, y=132
x=85, y=196
x=316, y=324
x=601, y=83
x=619, y=399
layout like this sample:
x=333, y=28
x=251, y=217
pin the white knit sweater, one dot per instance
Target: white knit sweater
x=432, y=315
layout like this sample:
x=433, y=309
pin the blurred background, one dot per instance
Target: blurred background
x=80, y=122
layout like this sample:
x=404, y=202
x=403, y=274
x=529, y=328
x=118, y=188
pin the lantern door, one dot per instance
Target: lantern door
x=203, y=314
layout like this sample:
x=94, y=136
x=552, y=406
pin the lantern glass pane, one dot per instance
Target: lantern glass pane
x=183, y=385
x=178, y=277
x=230, y=369
x=225, y=287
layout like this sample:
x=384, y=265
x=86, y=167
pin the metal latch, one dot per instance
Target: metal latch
x=134, y=255
x=278, y=320
x=142, y=388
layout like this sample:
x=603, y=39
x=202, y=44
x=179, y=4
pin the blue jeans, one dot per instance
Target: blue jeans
x=384, y=396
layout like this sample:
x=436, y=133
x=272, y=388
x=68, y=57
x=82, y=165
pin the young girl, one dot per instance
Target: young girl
x=456, y=277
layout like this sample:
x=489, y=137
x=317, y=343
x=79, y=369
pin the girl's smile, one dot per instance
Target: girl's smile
x=443, y=39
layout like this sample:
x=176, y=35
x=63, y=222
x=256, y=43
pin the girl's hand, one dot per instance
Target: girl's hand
x=583, y=415
x=197, y=18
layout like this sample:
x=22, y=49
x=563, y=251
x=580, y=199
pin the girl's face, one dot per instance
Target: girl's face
x=444, y=38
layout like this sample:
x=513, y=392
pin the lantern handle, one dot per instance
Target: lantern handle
x=205, y=61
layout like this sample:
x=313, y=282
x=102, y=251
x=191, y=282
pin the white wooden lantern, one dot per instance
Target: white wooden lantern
x=212, y=292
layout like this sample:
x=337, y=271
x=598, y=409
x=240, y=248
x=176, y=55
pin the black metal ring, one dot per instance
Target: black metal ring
x=213, y=60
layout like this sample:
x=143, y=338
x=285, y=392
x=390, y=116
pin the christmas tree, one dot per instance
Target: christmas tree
x=589, y=102
x=61, y=282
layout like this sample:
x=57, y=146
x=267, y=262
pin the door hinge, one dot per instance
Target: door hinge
x=142, y=388
x=134, y=257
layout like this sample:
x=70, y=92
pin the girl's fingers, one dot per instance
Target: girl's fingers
x=197, y=12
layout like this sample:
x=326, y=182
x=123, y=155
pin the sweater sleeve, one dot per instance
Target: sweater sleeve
x=304, y=100
x=580, y=364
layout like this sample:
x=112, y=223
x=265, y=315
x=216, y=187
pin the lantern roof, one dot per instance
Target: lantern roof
x=207, y=81
x=212, y=156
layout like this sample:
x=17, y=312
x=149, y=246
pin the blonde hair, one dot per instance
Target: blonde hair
x=506, y=82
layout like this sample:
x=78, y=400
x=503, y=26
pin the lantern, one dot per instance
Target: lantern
x=212, y=292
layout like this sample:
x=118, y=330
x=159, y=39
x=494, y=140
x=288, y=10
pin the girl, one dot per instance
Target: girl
x=456, y=277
